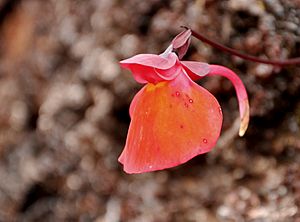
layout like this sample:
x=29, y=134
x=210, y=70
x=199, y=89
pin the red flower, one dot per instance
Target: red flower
x=172, y=118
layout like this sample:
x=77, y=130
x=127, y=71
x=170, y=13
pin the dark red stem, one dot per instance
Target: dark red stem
x=293, y=61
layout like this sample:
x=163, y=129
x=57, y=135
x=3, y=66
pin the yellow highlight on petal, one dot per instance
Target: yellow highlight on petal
x=245, y=119
x=151, y=87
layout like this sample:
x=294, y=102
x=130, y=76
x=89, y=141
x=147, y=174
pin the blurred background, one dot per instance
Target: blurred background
x=64, y=112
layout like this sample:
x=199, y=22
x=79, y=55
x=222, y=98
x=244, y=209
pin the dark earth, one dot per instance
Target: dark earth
x=64, y=112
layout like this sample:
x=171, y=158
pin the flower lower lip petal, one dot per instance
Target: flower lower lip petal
x=165, y=114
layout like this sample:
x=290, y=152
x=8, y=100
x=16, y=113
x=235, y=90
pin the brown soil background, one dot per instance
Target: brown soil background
x=64, y=112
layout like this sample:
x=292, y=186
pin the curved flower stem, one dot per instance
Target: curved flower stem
x=240, y=91
x=293, y=61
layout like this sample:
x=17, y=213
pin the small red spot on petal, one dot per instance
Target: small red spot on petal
x=191, y=101
x=177, y=93
x=204, y=140
x=181, y=126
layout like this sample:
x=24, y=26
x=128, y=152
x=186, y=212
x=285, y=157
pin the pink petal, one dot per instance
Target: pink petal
x=144, y=74
x=150, y=60
x=240, y=91
x=171, y=73
x=182, y=50
x=181, y=38
x=152, y=68
x=181, y=42
x=195, y=70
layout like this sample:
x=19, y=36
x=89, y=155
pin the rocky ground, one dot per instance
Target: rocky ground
x=64, y=112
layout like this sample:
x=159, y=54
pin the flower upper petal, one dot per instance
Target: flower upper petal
x=153, y=68
x=181, y=38
x=181, y=42
x=150, y=60
x=195, y=70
